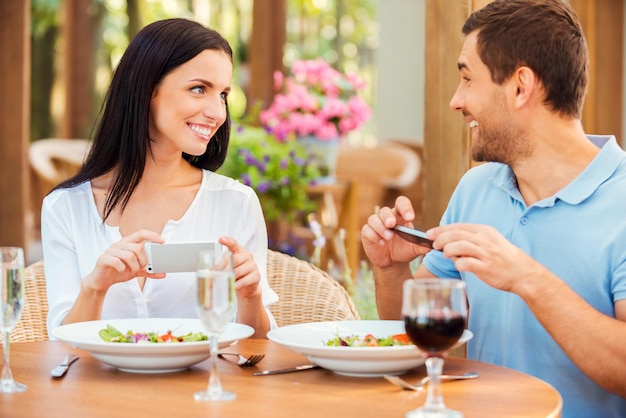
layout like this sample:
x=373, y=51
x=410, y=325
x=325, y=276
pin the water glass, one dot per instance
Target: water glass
x=216, y=307
x=12, y=301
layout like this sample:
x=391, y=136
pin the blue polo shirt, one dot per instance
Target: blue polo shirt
x=579, y=234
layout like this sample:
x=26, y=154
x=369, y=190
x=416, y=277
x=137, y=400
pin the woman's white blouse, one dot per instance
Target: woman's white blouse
x=74, y=236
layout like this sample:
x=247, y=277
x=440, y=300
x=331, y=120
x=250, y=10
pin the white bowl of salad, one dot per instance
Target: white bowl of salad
x=365, y=348
x=147, y=345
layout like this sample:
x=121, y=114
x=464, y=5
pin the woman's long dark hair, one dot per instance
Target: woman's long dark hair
x=121, y=141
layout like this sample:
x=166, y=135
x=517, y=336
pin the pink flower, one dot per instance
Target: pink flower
x=327, y=131
x=315, y=100
x=278, y=80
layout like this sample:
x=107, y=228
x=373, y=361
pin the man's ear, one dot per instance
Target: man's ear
x=525, y=83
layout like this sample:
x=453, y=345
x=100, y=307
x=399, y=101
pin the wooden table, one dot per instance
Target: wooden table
x=94, y=389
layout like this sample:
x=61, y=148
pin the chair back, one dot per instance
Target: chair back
x=52, y=160
x=381, y=173
x=32, y=324
x=57, y=159
x=307, y=294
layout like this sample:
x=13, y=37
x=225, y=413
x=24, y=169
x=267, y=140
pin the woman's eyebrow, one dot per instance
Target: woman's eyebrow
x=208, y=83
x=201, y=80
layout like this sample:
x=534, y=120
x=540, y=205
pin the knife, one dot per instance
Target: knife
x=287, y=370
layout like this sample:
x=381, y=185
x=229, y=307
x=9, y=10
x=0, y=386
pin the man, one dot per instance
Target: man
x=538, y=233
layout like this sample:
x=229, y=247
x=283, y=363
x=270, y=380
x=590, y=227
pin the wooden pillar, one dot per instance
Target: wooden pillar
x=445, y=131
x=78, y=69
x=479, y=4
x=266, y=48
x=603, y=24
x=14, y=121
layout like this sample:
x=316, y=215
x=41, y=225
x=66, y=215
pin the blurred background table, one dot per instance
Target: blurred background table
x=337, y=213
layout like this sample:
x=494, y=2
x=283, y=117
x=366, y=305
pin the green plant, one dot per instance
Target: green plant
x=280, y=172
x=363, y=292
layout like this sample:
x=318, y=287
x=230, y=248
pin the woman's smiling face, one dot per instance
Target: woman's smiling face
x=189, y=104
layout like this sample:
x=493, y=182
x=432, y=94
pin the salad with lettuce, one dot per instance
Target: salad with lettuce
x=368, y=341
x=113, y=335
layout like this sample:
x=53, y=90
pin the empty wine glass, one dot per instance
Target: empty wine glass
x=12, y=300
x=216, y=306
x=435, y=316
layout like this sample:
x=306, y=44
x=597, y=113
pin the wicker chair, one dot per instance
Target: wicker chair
x=32, y=323
x=307, y=294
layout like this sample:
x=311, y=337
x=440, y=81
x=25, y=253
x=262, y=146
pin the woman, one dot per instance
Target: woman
x=163, y=131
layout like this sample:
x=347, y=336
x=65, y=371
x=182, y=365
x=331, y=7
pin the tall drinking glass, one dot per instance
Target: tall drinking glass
x=12, y=300
x=435, y=316
x=216, y=306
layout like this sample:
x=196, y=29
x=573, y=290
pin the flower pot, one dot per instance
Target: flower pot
x=327, y=150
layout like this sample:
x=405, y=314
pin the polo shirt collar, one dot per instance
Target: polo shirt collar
x=596, y=173
x=584, y=185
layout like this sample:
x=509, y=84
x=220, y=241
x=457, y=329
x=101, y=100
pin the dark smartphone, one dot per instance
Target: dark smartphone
x=413, y=235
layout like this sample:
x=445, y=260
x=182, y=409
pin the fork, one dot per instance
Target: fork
x=244, y=361
x=419, y=386
x=61, y=369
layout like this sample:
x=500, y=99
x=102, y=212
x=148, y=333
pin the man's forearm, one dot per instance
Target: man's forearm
x=388, y=282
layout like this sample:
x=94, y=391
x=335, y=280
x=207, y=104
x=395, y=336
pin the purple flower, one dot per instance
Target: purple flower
x=264, y=186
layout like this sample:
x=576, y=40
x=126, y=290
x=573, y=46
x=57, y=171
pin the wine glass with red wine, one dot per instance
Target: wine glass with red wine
x=435, y=316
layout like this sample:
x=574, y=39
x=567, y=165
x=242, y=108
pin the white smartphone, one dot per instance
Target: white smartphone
x=413, y=235
x=176, y=257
